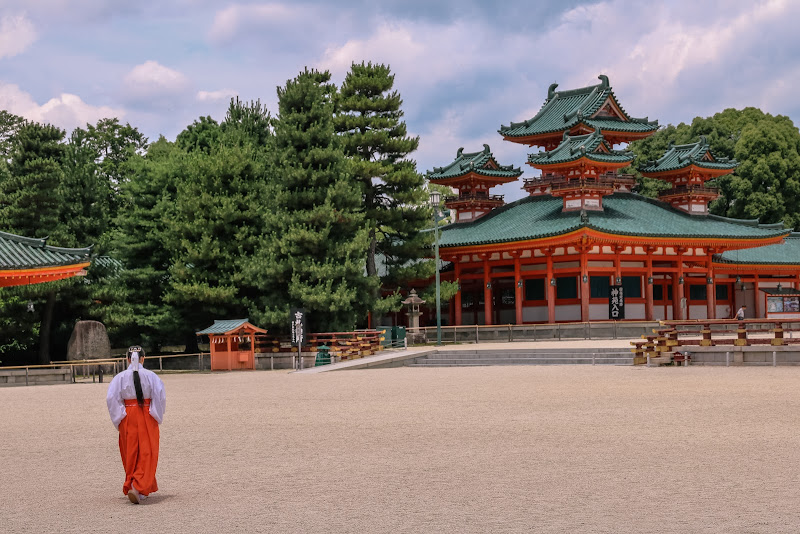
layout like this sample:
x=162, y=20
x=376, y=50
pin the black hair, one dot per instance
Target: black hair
x=137, y=382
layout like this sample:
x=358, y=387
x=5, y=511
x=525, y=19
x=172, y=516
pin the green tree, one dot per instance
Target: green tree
x=216, y=227
x=375, y=139
x=30, y=205
x=247, y=123
x=314, y=253
x=9, y=125
x=202, y=136
x=132, y=298
x=766, y=185
x=29, y=200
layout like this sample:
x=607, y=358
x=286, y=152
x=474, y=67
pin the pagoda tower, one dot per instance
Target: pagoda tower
x=581, y=170
x=473, y=175
x=687, y=168
x=577, y=112
x=577, y=130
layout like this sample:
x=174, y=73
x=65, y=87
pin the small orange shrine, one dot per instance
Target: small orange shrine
x=26, y=261
x=232, y=344
x=582, y=231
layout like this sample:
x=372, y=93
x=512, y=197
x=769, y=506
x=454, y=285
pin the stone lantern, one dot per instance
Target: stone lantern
x=413, y=301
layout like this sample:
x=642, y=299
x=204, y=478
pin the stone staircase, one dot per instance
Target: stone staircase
x=464, y=358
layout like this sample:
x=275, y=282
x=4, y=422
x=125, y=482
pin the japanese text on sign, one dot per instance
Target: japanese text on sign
x=616, y=303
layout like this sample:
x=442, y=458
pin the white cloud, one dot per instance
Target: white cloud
x=16, y=34
x=213, y=96
x=154, y=85
x=66, y=111
x=237, y=18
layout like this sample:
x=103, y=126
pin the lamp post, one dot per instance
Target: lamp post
x=435, y=196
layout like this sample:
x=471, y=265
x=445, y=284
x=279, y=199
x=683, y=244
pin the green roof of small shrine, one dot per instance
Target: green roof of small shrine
x=227, y=325
x=786, y=253
x=574, y=147
x=18, y=252
x=625, y=214
x=563, y=110
x=682, y=156
x=481, y=163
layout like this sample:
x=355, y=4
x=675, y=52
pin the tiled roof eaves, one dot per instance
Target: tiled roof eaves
x=18, y=252
x=492, y=173
x=786, y=253
x=479, y=237
x=588, y=101
x=222, y=326
x=473, y=162
x=683, y=156
x=592, y=156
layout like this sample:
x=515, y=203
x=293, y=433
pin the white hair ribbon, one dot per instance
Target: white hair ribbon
x=135, y=361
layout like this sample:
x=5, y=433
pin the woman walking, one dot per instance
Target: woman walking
x=136, y=403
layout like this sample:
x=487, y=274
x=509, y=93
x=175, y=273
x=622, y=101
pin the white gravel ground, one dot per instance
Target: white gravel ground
x=489, y=449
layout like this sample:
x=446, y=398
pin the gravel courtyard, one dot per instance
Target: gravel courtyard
x=492, y=449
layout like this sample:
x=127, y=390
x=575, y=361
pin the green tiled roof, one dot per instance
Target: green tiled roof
x=681, y=156
x=481, y=163
x=17, y=252
x=624, y=214
x=786, y=253
x=563, y=110
x=572, y=148
x=220, y=327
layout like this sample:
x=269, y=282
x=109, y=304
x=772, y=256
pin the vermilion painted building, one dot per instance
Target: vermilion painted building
x=25, y=261
x=557, y=254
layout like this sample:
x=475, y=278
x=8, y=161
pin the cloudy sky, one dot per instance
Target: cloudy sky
x=463, y=67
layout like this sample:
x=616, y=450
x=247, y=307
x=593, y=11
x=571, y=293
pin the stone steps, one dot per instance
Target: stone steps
x=602, y=356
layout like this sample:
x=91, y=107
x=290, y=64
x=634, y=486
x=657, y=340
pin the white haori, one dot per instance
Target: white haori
x=121, y=389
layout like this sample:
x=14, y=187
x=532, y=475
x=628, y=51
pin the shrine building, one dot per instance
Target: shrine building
x=582, y=234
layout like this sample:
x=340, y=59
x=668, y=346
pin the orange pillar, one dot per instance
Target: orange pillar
x=756, y=297
x=457, y=305
x=550, y=284
x=584, y=281
x=679, y=293
x=648, y=286
x=517, y=288
x=711, y=292
x=487, y=292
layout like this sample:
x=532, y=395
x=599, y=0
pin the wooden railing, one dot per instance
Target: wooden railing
x=672, y=337
x=97, y=369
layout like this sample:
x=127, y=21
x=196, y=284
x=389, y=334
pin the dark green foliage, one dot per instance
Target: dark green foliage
x=314, y=250
x=9, y=125
x=216, y=227
x=375, y=139
x=132, y=299
x=247, y=124
x=200, y=136
x=29, y=195
x=766, y=185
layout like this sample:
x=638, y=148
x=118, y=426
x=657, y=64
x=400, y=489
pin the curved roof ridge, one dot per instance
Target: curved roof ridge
x=473, y=162
x=743, y=222
x=492, y=214
x=680, y=156
x=41, y=243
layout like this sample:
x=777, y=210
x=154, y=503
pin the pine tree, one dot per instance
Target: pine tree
x=132, y=296
x=216, y=228
x=29, y=205
x=313, y=256
x=31, y=196
x=375, y=139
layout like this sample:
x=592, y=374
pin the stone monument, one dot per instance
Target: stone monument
x=89, y=341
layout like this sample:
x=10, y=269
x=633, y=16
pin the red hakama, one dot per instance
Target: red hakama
x=138, y=446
